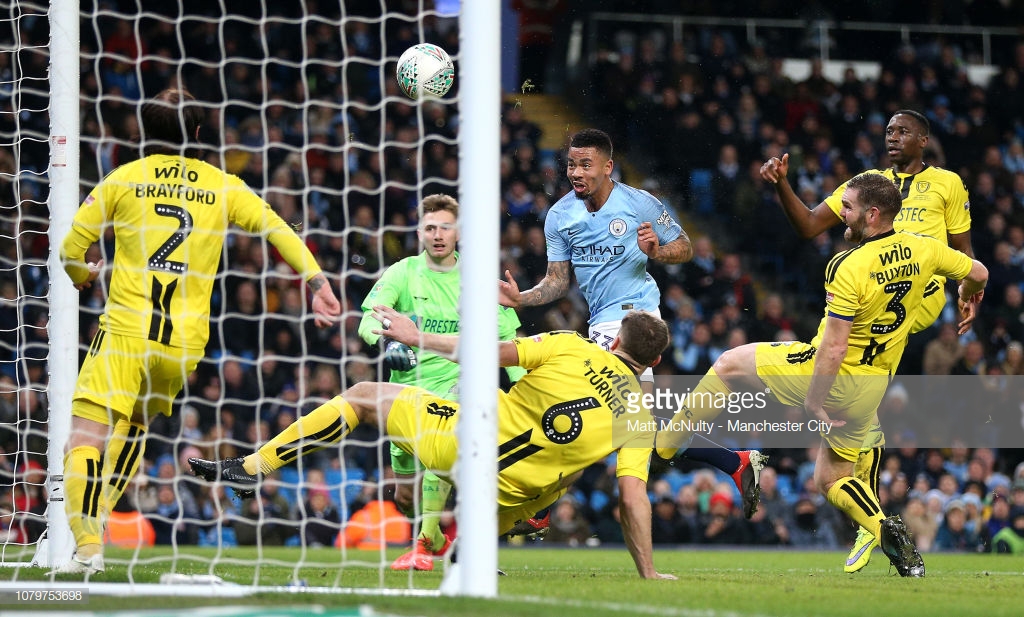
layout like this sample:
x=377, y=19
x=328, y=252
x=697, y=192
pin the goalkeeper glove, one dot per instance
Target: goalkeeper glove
x=398, y=356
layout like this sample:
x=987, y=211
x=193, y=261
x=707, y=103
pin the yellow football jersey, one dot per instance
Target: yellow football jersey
x=170, y=216
x=879, y=285
x=935, y=202
x=575, y=406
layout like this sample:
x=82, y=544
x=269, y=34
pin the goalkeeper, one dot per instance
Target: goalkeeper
x=170, y=213
x=426, y=286
x=577, y=404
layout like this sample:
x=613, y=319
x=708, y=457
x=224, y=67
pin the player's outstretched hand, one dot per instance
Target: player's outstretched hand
x=775, y=168
x=508, y=291
x=969, y=311
x=647, y=240
x=326, y=308
x=94, y=271
x=396, y=326
x=398, y=335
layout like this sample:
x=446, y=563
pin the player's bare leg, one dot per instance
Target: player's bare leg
x=735, y=370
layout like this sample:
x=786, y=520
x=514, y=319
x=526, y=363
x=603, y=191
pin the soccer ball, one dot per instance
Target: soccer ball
x=425, y=70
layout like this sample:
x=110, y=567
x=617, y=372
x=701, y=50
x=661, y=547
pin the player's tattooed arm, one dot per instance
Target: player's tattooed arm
x=551, y=288
x=317, y=282
x=326, y=307
x=676, y=252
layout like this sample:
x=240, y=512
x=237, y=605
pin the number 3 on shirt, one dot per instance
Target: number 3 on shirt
x=899, y=290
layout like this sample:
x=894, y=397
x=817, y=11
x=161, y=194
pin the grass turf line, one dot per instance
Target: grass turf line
x=593, y=583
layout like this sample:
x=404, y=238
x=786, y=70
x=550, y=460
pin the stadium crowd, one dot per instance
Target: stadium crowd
x=703, y=112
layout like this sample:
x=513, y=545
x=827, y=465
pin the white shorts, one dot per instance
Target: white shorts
x=605, y=332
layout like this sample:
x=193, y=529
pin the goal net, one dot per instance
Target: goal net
x=300, y=102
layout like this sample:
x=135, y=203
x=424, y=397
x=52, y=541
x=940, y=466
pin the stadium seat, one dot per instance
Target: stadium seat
x=676, y=479
x=701, y=196
x=289, y=477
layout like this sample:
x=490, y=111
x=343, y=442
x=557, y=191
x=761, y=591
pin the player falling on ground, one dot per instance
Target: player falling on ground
x=606, y=231
x=567, y=413
x=935, y=204
x=872, y=292
x=427, y=287
x=170, y=214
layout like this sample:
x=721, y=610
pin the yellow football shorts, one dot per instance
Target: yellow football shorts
x=786, y=369
x=126, y=377
x=422, y=424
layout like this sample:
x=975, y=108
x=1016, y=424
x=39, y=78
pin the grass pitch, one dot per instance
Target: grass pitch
x=578, y=583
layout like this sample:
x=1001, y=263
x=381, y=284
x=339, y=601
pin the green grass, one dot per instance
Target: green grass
x=596, y=583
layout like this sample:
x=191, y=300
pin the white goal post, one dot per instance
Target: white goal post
x=302, y=104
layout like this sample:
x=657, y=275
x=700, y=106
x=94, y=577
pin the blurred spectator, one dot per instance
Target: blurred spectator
x=921, y=525
x=564, y=316
x=953, y=534
x=320, y=518
x=1010, y=540
x=264, y=520
x=808, y=530
x=568, y=525
x=998, y=517
x=699, y=353
x=699, y=272
x=609, y=525
x=772, y=319
x=172, y=524
x=732, y=286
x=942, y=353
x=722, y=524
x=972, y=362
x=668, y=525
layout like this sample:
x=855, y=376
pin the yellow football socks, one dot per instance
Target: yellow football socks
x=83, y=487
x=121, y=462
x=853, y=496
x=325, y=425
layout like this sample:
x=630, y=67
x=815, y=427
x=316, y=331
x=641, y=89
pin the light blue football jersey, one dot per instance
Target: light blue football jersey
x=601, y=246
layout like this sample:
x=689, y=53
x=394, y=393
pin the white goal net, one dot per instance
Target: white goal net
x=301, y=102
x=24, y=130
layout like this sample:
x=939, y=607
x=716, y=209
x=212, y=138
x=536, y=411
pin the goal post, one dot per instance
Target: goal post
x=478, y=165
x=58, y=545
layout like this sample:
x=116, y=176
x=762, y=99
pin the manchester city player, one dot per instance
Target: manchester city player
x=606, y=231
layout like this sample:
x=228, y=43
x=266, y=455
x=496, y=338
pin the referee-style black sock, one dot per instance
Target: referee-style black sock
x=706, y=451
